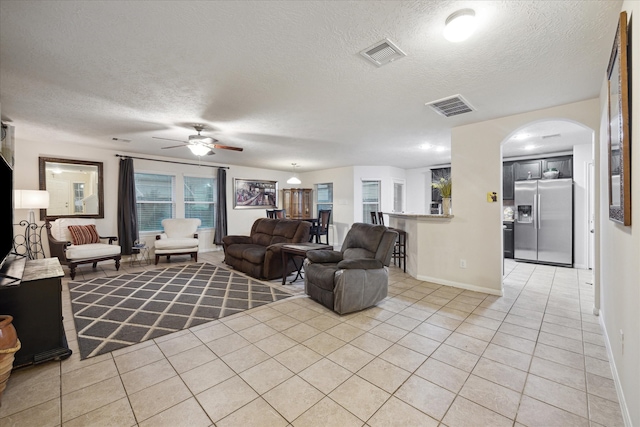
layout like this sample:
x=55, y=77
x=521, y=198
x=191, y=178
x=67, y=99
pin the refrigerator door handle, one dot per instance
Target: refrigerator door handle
x=538, y=212
x=535, y=212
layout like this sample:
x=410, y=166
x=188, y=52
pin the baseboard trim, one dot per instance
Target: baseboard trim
x=616, y=378
x=460, y=285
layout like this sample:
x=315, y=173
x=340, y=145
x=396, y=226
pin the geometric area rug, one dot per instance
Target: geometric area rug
x=115, y=312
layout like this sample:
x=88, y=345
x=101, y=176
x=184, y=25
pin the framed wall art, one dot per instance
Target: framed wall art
x=619, y=159
x=254, y=194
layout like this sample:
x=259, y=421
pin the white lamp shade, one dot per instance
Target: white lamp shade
x=199, y=150
x=460, y=25
x=30, y=199
x=294, y=180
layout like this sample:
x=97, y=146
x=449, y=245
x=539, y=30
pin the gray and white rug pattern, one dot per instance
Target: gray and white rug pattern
x=114, y=312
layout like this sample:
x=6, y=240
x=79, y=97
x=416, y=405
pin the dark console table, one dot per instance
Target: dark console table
x=36, y=306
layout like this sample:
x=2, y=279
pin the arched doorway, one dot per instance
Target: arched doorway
x=545, y=140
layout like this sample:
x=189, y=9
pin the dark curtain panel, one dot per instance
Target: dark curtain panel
x=127, y=212
x=221, y=207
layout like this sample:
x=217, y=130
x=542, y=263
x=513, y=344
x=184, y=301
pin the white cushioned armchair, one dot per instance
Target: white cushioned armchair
x=80, y=244
x=179, y=238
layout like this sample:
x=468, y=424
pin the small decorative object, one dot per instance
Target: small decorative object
x=9, y=345
x=550, y=173
x=443, y=185
x=508, y=214
x=446, y=206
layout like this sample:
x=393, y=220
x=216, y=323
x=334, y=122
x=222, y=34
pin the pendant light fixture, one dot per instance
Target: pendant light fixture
x=460, y=25
x=294, y=179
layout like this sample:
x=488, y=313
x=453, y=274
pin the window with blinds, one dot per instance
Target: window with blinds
x=154, y=200
x=199, y=197
x=370, y=199
x=324, y=197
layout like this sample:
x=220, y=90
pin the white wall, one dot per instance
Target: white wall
x=387, y=175
x=476, y=162
x=343, y=200
x=419, y=189
x=620, y=255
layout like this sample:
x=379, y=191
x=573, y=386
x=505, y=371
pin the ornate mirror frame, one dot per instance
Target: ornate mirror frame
x=86, y=174
x=619, y=159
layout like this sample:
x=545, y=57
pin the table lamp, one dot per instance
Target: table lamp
x=31, y=199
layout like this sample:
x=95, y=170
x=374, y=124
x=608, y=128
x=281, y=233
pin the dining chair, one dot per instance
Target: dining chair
x=399, y=255
x=374, y=218
x=322, y=227
x=271, y=213
x=280, y=213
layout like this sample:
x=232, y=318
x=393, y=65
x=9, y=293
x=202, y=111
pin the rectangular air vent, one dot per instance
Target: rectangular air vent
x=451, y=106
x=383, y=52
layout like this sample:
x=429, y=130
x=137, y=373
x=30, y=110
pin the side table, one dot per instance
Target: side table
x=298, y=250
x=139, y=254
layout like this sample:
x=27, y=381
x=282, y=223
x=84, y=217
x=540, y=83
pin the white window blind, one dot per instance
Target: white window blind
x=154, y=200
x=199, y=199
x=370, y=199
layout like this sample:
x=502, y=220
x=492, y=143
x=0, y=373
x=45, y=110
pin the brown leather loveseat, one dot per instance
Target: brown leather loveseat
x=258, y=254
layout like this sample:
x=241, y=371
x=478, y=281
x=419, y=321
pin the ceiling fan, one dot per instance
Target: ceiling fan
x=200, y=145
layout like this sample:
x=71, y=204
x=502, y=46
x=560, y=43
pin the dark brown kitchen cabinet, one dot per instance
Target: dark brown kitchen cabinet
x=507, y=181
x=508, y=237
x=528, y=169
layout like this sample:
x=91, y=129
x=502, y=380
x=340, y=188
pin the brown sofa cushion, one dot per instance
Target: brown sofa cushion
x=258, y=255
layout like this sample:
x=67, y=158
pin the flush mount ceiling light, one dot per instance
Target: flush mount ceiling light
x=294, y=179
x=199, y=150
x=460, y=25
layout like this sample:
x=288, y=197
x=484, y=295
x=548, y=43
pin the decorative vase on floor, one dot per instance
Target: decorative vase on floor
x=446, y=206
x=9, y=345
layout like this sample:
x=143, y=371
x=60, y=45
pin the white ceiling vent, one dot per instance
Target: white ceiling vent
x=383, y=52
x=451, y=106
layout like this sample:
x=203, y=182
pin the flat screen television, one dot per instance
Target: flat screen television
x=6, y=209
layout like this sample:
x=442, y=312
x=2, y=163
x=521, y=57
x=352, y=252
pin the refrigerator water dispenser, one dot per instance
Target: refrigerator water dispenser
x=525, y=213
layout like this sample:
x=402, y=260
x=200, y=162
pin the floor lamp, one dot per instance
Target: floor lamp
x=32, y=238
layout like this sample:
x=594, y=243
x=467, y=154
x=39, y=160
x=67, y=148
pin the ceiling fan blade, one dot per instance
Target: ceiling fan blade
x=169, y=139
x=173, y=146
x=227, y=147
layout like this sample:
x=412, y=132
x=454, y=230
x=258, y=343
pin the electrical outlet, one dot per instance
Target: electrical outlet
x=463, y=263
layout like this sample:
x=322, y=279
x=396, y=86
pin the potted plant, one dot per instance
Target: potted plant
x=443, y=185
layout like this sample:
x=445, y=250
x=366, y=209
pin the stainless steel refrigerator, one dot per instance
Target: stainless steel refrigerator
x=543, y=229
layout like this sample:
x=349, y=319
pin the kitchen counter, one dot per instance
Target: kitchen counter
x=418, y=216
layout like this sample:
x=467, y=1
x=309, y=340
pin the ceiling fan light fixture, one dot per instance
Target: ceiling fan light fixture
x=294, y=179
x=199, y=150
x=460, y=25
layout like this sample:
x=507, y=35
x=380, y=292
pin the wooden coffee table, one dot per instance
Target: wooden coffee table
x=298, y=250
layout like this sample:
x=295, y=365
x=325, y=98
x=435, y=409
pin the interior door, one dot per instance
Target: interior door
x=592, y=217
x=60, y=199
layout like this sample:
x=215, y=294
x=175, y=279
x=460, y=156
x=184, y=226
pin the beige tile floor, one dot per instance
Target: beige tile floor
x=428, y=355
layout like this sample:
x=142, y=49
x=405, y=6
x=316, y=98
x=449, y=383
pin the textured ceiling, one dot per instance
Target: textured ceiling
x=284, y=80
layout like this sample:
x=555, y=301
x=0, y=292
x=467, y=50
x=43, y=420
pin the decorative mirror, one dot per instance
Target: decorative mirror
x=619, y=127
x=74, y=186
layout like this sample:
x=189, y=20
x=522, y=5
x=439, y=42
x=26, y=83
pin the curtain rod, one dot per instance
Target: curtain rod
x=170, y=161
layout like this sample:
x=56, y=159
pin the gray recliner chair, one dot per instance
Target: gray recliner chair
x=356, y=277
